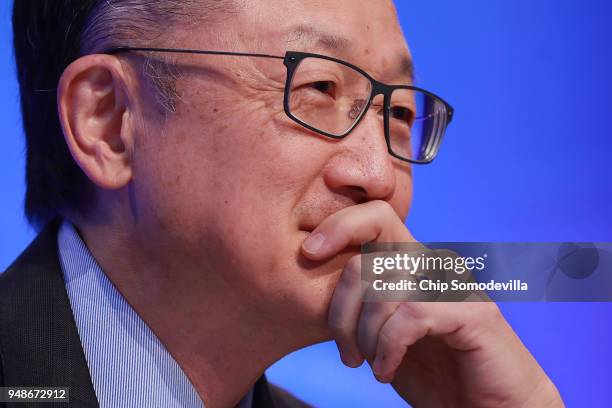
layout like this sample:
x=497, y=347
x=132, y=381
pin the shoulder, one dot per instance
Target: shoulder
x=26, y=299
x=29, y=275
x=29, y=279
x=39, y=342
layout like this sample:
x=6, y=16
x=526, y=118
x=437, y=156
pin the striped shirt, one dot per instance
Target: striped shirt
x=128, y=364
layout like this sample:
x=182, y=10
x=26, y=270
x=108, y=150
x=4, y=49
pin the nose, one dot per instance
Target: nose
x=362, y=165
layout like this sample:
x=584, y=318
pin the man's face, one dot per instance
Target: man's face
x=227, y=188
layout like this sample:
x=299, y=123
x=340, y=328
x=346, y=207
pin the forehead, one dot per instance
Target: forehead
x=366, y=33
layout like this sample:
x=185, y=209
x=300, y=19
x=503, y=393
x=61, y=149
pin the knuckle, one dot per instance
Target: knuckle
x=488, y=315
x=388, y=339
x=386, y=344
x=341, y=332
x=412, y=310
x=352, y=270
x=372, y=310
x=382, y=206
x=338, y=326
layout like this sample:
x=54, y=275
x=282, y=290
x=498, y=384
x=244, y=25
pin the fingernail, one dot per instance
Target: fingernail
x=377, y=368
x=314, y=242
x=383, y=379
x=353, y=360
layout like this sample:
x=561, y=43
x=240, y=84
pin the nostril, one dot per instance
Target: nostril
x=351, y=195
x=357, y=193
x=360, y=190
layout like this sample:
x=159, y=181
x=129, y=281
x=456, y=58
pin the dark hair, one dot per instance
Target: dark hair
x=46, y=37
x=50, y=34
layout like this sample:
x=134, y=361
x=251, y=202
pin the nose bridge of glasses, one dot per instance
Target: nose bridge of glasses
x=379, y=97
x=377, y=100
x=366, y=112
x=370, y=122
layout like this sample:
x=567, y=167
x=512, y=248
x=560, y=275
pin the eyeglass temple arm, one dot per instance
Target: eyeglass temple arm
x=116, y=50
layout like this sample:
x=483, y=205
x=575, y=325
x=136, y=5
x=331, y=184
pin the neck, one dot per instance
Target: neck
x=222, y=340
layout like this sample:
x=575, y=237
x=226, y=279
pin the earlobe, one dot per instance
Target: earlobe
x=93, y=111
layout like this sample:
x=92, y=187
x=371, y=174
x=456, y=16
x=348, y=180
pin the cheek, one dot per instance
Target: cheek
x=206, y=168
x=224, y=191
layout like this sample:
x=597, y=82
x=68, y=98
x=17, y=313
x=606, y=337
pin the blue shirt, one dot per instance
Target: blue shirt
x=128, y=364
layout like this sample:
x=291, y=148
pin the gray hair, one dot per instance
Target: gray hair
x=142, y=23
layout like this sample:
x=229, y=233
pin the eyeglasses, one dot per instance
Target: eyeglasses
x=331, y=97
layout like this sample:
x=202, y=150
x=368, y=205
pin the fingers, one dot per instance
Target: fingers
x=344, y=312
x=373, y=317
x=355, y=225
x=355, y=325
x=354, y=331
x=406, y=326
x=412, y=321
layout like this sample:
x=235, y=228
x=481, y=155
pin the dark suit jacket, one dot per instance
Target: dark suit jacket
x=39, y=342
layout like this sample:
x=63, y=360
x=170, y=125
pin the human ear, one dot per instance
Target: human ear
x=93, y=108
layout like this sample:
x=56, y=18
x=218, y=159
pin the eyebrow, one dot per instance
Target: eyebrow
x=310, y=36
x=406, y=66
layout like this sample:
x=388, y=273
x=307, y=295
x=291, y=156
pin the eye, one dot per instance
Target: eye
x=402, y=113
x=326, y=87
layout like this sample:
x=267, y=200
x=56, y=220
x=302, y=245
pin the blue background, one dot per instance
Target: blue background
x=526, y=159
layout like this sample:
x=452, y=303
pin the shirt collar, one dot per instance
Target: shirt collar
x=128, y=364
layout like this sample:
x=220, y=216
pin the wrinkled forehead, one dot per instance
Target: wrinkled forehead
x=365, y=33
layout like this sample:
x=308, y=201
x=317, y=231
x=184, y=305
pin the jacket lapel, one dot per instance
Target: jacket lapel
x=39, y=341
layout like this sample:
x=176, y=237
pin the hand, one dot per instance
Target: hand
x=434, y=354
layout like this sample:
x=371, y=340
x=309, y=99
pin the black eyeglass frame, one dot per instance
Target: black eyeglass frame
x=291, y=60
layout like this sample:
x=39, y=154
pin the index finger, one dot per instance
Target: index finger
x=374, y=221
